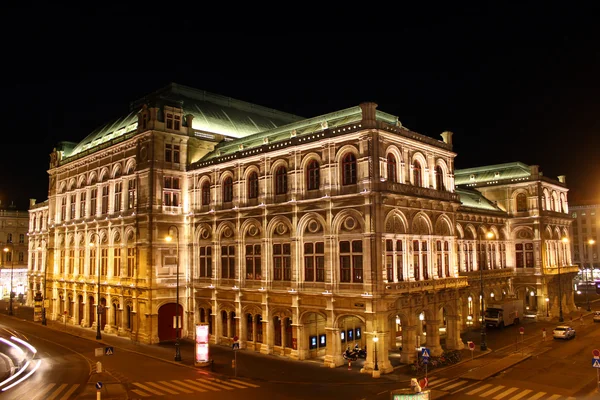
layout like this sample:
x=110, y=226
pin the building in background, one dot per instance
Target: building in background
x=586, y=231
x=13, y=251
x=300, y=236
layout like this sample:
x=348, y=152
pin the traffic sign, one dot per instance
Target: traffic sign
x=596, y=353
x=426, y=353
x=595, y=363
x=522, y=330
x=98, y=385
x=423, y=383
x=109, y=351
x=471, y=345
x=425, y=360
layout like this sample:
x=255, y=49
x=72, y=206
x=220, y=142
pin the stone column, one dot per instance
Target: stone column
x=269, y=332
x=433, y=337
x=453, y=340
x=229, y=323
x=383, y=350
x=333, y=357
x=243, y=330
x=254, y=325
x=301, y=351
x=283, y=334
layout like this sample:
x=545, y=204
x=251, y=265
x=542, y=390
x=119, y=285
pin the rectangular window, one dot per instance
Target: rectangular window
x=314, y=262
x=105, y=199
x=104, y=262
x=519, y=255
x=205, y=262
x=130, y=261
x=169, y=121
x=118, y=193
x=63, y=208
x=399, y=261
x=62, y=261
x=171, y=193
x=228, y=262
x=93, y=266
x=131, y=194
x=176, y=153
x=72, y=204
x=93, y=198
x=80, y=267
x=528, y=255
x=71, y=261
x=21, y=238
x=351, y=261
x=117, y=262
x=168, y=153
x=389, y=260
x=416, y=269
x=282, y=263
x=177, y=123
x=253, y=262
x=82, y=205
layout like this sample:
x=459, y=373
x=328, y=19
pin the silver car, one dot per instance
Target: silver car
x=563, y=332
x=597, y=316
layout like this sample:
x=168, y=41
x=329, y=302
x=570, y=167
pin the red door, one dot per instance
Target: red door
x=166, y=330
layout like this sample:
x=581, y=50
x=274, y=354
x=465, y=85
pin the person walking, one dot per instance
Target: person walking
x=543, y=334
x=581, y=319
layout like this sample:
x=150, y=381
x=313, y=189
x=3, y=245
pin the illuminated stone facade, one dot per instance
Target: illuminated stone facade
x=300, y=236
x=13, y=251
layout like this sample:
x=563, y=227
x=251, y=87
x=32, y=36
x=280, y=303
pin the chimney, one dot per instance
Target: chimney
x=447, y=136
x=31, y=203
x=534, y=170
x=562, y=179
x=368, y=114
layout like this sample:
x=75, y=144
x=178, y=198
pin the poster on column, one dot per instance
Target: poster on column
x=202, y=348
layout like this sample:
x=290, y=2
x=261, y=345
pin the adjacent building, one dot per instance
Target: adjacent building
x=586, y=230
x=14, y=247
x=301, y=236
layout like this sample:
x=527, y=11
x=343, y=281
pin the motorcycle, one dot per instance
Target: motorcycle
x=361, y=353
x=350, y=355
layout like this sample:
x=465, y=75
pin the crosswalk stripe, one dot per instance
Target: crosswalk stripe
x=165, y=383
x=436, y=382
x=479, y=389
x=141, y=393
x=522, y=394
x=491, y=391
x=553, y=397
x=571, y=398
x=505, y=393
x=228, y=383
x=161, y=387
x=148, y=389
x=70, y=392
x=45, y=390
x=57, y=391
x=245, y=383
x=202, y=384
x=205, y=382
x=187, y=385
x=459, y=383
x=537, y=396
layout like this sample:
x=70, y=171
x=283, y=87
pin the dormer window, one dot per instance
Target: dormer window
x=472, y=177
x=173, y=121
x=172, y=153
x=496, y=174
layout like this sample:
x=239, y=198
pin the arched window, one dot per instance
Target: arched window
x=521, y=202
x=205, y=193
x=281, y=180
x=253, y=185
x=439, y=178
x=349, y=169
x=228, y=189
x=391, y=168
x=417, y=174
x=312, y=175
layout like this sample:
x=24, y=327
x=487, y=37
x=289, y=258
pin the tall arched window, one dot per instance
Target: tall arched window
x=349, y=169
x=312, y=175
x=391, y=168
x=281, y=180
x=439, y=178
x=253, y=185
x=228, y=189
x=205, y=193
x=417, y=181
x=521, y=202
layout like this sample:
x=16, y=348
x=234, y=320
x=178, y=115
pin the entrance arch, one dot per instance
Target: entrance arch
x=166, y=328
x=314, y=335
x=351, y=332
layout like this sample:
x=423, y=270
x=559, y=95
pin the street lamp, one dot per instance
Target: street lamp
x=483, y=345
x=375, y=340
x=10, y=296
x=587, y=286
x=98, y=306
x=565, y=240
x=177, y=350
x=547, y=302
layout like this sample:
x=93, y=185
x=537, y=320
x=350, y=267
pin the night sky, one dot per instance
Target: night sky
x=512, y=86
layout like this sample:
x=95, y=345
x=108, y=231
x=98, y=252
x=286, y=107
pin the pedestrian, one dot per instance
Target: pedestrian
x=581, y=319
x=544, y=334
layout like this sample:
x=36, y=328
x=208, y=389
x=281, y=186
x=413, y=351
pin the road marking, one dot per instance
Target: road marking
x=505, y=393
x=165, y=383
x=57, y=391
x=45, y=390
x=229, y=383
x=437, y=382
x=245, y=383
x=141, y=393
x=148, y=389
x=537, y=396
x=202, y=385
x=522, y=394
x=187, y=385
x=494, y=390
x=455, y=385
x=70, y=392
x=479, y=389
x=216, y=384
x=161, y=387
x=553, y=397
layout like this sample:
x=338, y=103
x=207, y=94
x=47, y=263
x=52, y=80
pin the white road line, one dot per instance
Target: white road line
x=187, y=385
x=45, y=390
x=161, y=387
x=215, y=384
x=244, y=383
x=57, y=391
x=148, y=389
x=505, y=393
x=522, y=394
x=229, y=383
x=459, y=383
x=70, y=392
x=494, y=390
x=553, y=397
x=202, y=385
x=479, y=389
x=537, y=396
x=165, y=383
x=140, y=393
x=437, y=382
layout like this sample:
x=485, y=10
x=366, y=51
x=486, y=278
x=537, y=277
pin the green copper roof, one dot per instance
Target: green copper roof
x=474, y=199
x=213, y=114
x=489, y=173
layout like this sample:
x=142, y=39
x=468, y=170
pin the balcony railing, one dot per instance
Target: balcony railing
x=430, y=284
x=564, y=269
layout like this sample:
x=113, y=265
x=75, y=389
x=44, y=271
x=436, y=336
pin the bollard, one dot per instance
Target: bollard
x=349, y=365
x=99, y=367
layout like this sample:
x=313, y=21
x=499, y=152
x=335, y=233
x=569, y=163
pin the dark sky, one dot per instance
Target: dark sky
x=513, y=85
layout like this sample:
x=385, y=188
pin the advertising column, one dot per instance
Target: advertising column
x=201, y=358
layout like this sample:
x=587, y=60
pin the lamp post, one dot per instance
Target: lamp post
x=565, y=240
x=375, y=340
x=10, y=295
x=483, y=345
x=98, y=306
x=177, y=350
x=587, y=286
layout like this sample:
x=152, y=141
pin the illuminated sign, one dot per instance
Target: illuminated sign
x=202, y=337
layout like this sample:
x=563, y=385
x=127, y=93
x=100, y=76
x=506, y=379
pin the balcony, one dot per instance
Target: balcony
x=564, y=269
x=428, y=285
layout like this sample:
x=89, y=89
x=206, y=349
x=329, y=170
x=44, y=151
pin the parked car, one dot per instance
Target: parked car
x=597, y=316
x=563, y=332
